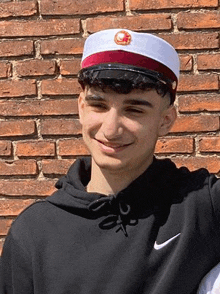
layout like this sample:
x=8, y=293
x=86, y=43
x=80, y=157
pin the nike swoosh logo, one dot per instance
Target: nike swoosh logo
x=159, y=246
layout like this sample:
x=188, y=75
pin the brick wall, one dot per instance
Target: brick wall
x=40, y=49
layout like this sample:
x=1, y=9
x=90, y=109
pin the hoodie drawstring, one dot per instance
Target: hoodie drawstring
x=120, y=214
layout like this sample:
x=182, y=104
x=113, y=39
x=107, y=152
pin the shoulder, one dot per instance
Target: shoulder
x=199, y=182
x=30, y=217
x=211, y=282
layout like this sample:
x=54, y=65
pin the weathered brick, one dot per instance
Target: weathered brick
x=199, y=20
x=24, y=8
x=165, y=4
x=60, y=127
x=16, y=48
x=5, y=69
x=5, y=225
x=18, y=168
x=5, y=148
x=38, y=107
x=35, y=68
x=63, y=46
x=61, y=87
x=186, y=62
x=202, y=102
x=196, y=123
x=17, y=128
x=24, y=188
x=35, y=148
x=198, y=82
x=209, y=144
x=2, y=240
x=74, y=7
x=192, y=41
x=193, y=163
x=175, y=145
x=30, y=28
x=137, y=22
x=12, y=207
x=70, y=147
x=56, y=167
x=208, y=61
x=17, y=88
x=70, y=67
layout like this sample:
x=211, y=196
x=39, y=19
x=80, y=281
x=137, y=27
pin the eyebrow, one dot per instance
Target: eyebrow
x=138, y=102
x=133, y=102
x=94, y=98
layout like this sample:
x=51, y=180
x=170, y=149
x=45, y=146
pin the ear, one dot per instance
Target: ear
x=168, y=118
x=81, y=105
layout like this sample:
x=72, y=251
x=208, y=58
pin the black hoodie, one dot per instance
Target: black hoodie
x=160, y=235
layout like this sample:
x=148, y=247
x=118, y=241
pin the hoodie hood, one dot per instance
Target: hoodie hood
x=153, y=192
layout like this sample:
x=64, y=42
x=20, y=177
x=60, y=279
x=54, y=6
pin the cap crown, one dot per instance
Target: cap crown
x=148, y=45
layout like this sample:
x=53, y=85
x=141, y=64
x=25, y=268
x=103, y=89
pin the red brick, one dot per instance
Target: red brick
x=56, y=167
x=70, y=147
x=209, y=144
x=17, y=88
x=18, y=168
x=17, y=128
x=186, y=62
x=2, y=240
x=30, y=28
x=63, y=46
x=12, y=207
x=5, y=69
x=198, y=82
x=208, y=61
x=24, y=8
x=137, y=22
x=60, y=87
x=194, y=163
x=74, y=7
x=200, y=20
x=23, y=188
x=5, y=148
x=35, y=68
x=5, y=225
x=60, y=127
x=202, y=102
x=192, y=41
x=39, y=107
x=35, y=148
x=70, y=67
x=196, y=123
x=175, y=145
x=164, y=4
x=16, y=48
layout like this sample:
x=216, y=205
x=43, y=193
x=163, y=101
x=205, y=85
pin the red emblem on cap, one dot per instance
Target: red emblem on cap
x=122, y=38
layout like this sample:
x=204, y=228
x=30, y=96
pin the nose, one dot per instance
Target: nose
x=112, y=125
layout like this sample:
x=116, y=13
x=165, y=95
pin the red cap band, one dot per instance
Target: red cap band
x=124, y=57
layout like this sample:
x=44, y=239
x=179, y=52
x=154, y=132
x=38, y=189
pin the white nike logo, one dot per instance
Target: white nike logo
x=159, y=246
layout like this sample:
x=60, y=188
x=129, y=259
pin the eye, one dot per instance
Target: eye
x=134, y=110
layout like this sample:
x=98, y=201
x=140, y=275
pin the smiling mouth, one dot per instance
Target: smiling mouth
x=113, y=146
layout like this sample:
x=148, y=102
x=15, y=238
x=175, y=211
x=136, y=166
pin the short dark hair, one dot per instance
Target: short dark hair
x=124, y=82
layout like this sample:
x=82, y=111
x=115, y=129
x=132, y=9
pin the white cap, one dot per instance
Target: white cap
x=132, y=48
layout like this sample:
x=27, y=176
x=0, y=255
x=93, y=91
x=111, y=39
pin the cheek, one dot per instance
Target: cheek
x=147, y=134
x=91, y=121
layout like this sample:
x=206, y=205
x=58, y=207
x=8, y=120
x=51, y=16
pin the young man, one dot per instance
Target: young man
x=122, y=221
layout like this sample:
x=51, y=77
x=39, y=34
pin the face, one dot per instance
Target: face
x=121, y=130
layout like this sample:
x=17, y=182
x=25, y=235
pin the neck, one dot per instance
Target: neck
x=111, y=182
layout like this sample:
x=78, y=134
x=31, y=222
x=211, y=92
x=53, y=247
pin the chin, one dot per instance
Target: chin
x=111, y=164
